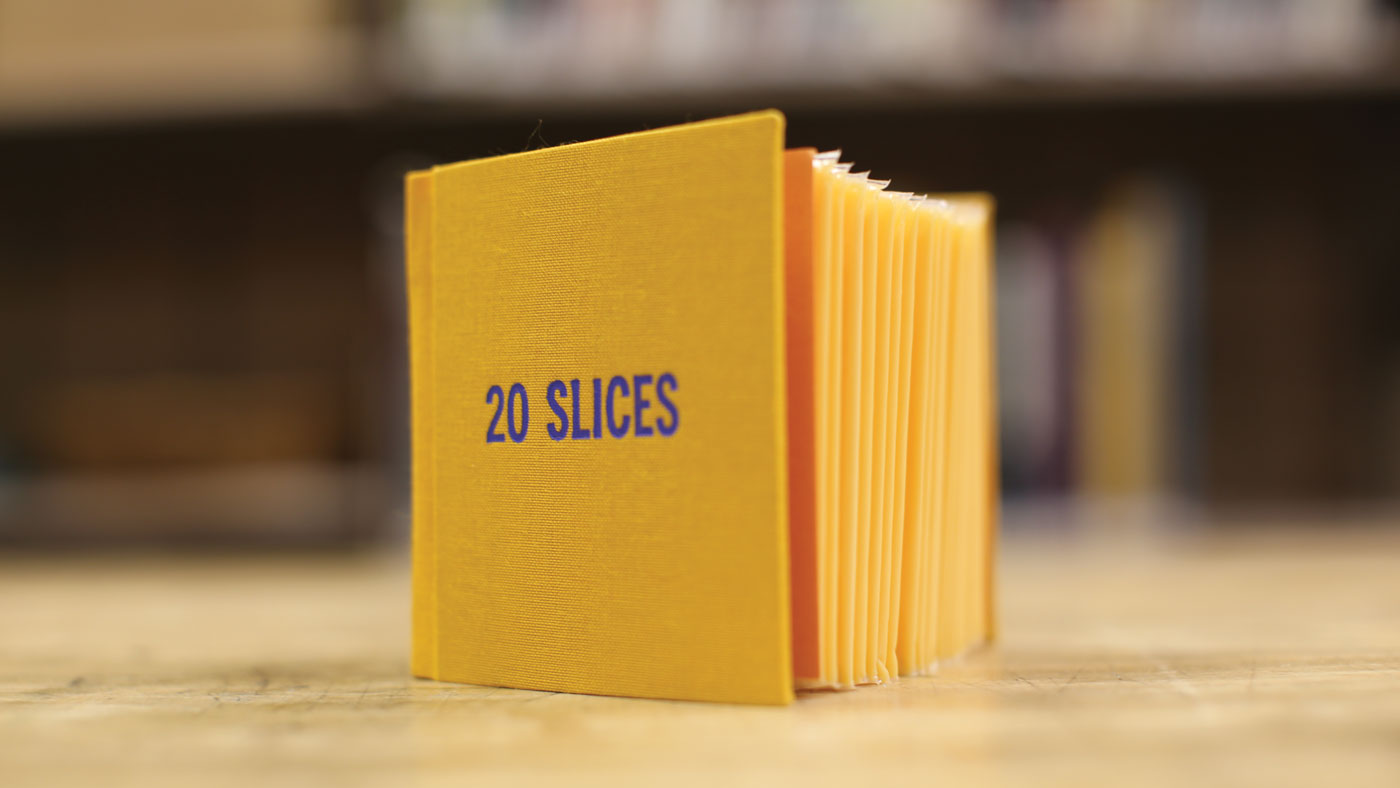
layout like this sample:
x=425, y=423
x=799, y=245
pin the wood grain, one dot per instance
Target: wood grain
x=1128, y=656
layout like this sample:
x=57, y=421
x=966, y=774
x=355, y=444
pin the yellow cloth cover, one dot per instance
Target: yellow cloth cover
x=600, y=488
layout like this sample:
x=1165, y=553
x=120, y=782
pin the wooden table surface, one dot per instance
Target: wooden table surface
x=1129, y=656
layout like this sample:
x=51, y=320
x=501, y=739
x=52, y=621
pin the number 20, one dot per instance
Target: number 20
x=498, y=397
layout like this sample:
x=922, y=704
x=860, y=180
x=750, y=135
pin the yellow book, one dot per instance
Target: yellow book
x=1123, y=356
x=675, y=398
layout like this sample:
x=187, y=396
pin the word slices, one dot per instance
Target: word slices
x=619, y=406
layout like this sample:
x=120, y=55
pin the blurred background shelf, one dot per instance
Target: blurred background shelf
x=75, y=63
x=200, y=272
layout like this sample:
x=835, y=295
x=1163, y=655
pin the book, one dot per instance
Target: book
x=1135, y=379
x=696, y=417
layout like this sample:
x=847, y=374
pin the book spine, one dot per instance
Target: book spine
x=418, y=217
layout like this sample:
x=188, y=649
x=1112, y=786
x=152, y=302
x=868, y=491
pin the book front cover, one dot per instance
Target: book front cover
x=600, y=409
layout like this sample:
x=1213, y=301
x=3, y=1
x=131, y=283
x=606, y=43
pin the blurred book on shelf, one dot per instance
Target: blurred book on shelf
x=1099, y=348
x=1132, y=369
x=1132, y=315
x=584, y=50
x=71, y=61
x=61, y=58
x=1033, y=353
